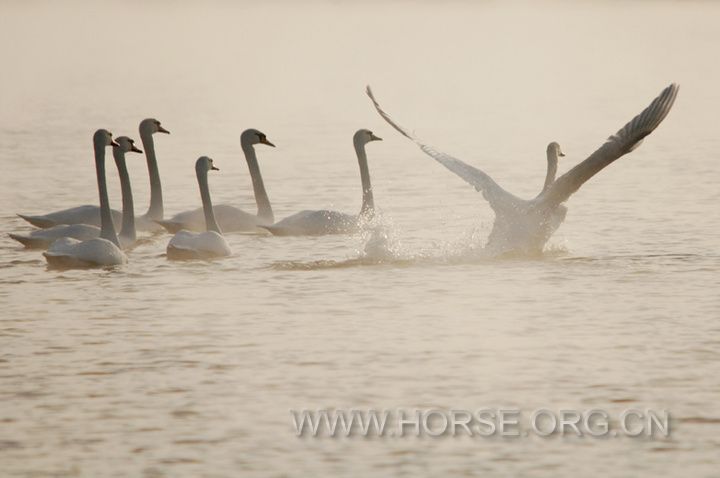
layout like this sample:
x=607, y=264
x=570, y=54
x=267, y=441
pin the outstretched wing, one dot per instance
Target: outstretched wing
x=494, y=194
x=627, y=139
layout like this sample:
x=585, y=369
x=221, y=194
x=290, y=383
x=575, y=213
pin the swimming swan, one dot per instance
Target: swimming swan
x=100, y=251
x=231, y=218
x=90, y=214
x=147, y=222
x=526, y=225
x=42, y=238
x=317, y=223
x=201, y=245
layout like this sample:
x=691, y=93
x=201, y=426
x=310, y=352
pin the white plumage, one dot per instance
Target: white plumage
x=200, y=245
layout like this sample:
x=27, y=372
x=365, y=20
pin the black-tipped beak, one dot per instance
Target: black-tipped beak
x=135, y=149
x=265, y=141
x=214, y=168
x=561, y=155
x=162, y=130
x=114, y=144
x=376, y=138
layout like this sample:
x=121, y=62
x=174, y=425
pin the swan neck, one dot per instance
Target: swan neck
x=155, y=211
x=368, y=202
x=261, y=198
x=210, y=223
x=552, y=165
x=128, y=208
x=107, y=228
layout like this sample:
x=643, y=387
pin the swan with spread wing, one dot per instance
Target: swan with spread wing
x=526, y=225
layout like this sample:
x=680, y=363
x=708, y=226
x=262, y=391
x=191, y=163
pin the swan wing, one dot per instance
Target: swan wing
x=491, y=191
x=624, y=141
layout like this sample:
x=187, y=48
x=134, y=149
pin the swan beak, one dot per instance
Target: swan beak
x=135, y=149
x=214, y=168
x=375, y=138
x=162, y=130
x=561, y=154
x=114, y=144
x=265, y=141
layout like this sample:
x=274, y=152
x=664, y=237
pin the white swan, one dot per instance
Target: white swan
x=90, y=214
x=147, y=222
x=526, y=225
x=322, y=222
x=231, y=218
x=42, y=238
x=200, y=245
x=101, y=251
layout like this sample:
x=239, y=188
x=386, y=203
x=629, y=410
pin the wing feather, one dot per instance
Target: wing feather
x=628, y=138
x=492, y=192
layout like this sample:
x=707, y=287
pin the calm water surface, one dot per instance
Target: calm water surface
x=190, y=369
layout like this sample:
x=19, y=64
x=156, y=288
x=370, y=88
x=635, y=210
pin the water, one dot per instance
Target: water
x=190, y=369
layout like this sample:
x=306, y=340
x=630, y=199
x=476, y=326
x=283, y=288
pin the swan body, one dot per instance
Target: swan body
x=324, y=222
x=102, y=251
x=87, y=214
x=42, y=238
x=67, y=252
x=526, y=225
x=315, y=223
x=200, y=245
x=197, y=245
x=90, y=214
x=228, y=217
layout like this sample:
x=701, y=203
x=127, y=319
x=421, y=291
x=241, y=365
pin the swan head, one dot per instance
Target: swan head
x=205, y=164
x=103, y=137
x=152, y=126
x=252, y=136
x=126, y=145
x=364, y=136
x=554, y=150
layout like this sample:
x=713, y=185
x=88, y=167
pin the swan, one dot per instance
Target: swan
x=42, y=238
x=90, y=214
x=231, y=218
x=147, y=222
x=100, y=251
x=317, y=223
x=526, y=225
x=200, y=245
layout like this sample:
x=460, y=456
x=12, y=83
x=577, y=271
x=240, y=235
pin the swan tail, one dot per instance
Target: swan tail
x=38, y=221
x=29, y=242
x=170, y=226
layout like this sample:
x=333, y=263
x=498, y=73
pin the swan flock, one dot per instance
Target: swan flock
x=86, y=236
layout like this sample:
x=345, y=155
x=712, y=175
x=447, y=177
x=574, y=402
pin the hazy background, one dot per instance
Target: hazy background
x=164, y=369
